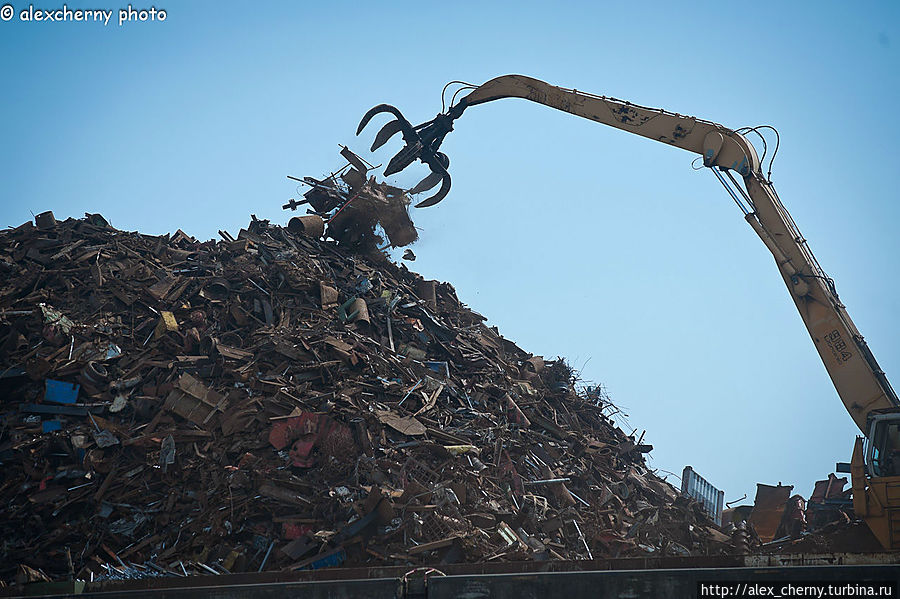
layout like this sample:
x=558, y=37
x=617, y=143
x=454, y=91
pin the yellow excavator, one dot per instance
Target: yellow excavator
x=860, y=382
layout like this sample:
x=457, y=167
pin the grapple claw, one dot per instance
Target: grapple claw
x=422, y=143
x=386, y=132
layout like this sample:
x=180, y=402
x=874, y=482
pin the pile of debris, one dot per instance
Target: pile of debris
x=274, y=402
x=780, y=522
x=362, y=213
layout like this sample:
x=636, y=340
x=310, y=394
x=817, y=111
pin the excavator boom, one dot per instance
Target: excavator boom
x=860, y=382
x=719, y=146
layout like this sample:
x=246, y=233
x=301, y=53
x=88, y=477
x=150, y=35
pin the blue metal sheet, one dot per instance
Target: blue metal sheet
x=60, y=391
x=51, y=425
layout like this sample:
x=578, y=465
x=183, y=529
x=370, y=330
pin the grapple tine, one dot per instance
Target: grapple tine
x=427, y=183
x=403, y=159
x=388, y=131
x=440, y=195
x=384, y=108
x=368, y=116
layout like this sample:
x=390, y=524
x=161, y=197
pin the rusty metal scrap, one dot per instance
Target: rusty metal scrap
x=214, y=412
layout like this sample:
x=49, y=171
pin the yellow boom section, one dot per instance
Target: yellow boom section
x=860, y=382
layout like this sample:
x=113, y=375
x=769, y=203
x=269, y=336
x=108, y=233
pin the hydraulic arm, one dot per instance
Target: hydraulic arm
x=860, y=382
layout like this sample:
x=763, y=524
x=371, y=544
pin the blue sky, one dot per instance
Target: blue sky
x=573, y=238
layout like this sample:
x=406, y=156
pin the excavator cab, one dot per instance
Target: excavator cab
x=882, y=447
x=875, y=475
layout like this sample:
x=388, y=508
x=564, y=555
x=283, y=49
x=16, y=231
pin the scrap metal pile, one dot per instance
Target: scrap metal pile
x=275, y=402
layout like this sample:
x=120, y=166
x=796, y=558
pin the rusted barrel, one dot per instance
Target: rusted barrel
x=310, y=224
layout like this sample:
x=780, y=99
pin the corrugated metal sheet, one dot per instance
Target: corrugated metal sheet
x=694, y=485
